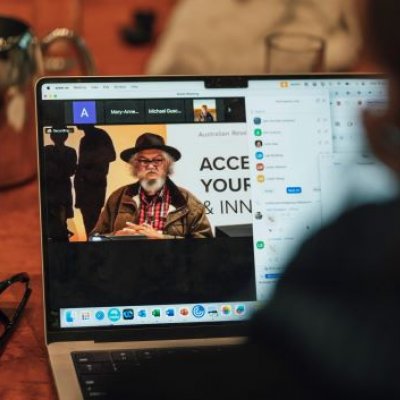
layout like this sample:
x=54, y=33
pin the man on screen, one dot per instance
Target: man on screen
x=154, y=206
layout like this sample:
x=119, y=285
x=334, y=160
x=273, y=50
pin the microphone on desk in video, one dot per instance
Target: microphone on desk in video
x=97, y=237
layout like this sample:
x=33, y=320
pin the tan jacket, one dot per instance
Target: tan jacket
x=186, y=216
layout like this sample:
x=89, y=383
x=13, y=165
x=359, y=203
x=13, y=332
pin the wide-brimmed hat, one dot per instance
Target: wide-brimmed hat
x=147, y=141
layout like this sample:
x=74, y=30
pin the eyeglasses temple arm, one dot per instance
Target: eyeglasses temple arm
x=3, y=318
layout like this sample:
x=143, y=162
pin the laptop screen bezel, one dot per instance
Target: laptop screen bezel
x=165, y=331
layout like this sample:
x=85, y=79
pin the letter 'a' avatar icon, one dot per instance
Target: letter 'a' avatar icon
x=84, y=112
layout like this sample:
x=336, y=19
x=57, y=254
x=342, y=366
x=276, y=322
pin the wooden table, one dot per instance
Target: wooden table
x=24, y=370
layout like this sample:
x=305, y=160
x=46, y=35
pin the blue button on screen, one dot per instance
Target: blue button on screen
x=293, y=190
x=272, y=276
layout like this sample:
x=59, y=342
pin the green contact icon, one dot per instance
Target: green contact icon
x=260, y=245
x=257, y=132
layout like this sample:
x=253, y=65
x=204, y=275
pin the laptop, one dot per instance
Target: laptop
x=255, y=164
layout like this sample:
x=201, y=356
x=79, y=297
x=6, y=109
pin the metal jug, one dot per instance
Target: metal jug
x=21, y=63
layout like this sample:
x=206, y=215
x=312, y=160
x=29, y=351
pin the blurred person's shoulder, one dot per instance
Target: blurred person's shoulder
x=360, y=234
x=332, y=310
x=366, y=229
x=370, y=212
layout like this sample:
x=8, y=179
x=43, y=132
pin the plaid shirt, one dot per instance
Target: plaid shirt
x=154, y=209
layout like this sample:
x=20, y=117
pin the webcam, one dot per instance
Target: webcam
x=226, y=82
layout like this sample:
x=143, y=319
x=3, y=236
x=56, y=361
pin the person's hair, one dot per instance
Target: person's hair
x=167, y=157
x=382, y=34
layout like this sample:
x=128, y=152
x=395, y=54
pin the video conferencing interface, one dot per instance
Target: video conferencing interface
x=169, y=202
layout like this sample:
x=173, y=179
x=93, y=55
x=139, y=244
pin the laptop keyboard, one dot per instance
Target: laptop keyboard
x=124, y=374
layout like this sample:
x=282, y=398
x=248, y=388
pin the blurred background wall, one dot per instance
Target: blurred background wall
x=192, y=36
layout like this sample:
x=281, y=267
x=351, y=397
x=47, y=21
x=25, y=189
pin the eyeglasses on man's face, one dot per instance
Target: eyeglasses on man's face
x=145, y=162
x=14, y=294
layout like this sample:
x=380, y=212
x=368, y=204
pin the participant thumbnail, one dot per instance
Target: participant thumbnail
x=205, y=110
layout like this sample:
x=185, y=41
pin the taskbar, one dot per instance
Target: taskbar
x=148, y=315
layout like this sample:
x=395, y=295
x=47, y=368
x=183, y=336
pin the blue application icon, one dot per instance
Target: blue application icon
x=257, y=120
x=198, y=311
x=114, y=314
x=127, y=313
x=142, y=313
x=84, y=112
x=100, y=315
x=69, y=316
x=259, y=155
x=170, y=312
x=240, y=309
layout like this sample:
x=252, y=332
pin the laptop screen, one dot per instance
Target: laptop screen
x=179, y=200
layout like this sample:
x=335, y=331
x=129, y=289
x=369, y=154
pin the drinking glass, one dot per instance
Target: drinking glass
x=288, y=53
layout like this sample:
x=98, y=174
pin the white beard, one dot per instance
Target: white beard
x=152, y=186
